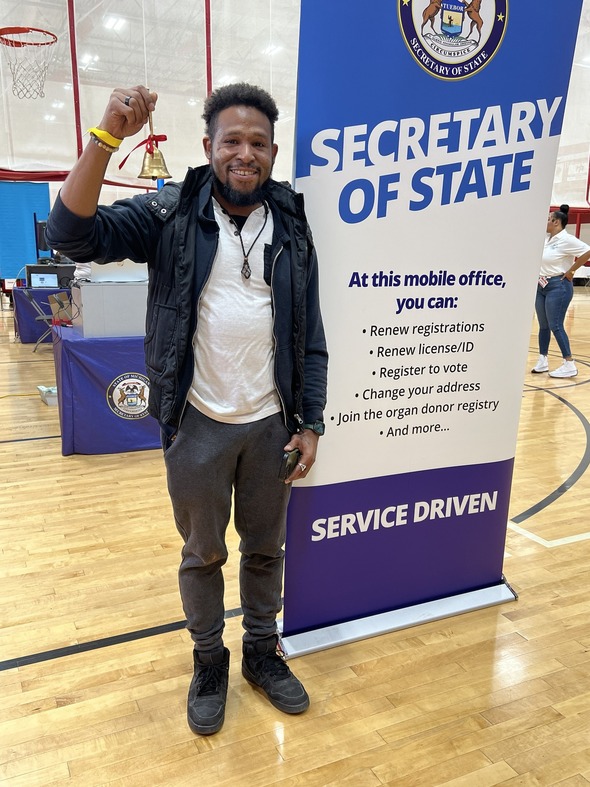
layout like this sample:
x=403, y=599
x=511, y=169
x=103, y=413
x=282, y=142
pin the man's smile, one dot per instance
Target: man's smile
x=244, y=173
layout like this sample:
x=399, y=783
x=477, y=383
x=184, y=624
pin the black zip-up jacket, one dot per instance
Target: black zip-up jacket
x=175, y=232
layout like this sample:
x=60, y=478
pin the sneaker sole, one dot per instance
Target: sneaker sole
x=303, y=706
x=562, y=376
x=201, y=729
x=539, y=371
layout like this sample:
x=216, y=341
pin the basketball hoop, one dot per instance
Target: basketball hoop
x=28, y=51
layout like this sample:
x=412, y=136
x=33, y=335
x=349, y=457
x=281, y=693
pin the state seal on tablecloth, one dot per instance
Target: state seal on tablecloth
x=127, y=395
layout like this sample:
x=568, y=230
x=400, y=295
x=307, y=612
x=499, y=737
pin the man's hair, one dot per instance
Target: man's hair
x=239, y=94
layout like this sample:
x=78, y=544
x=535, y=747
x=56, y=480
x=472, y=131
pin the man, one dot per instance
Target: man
x=236, y=357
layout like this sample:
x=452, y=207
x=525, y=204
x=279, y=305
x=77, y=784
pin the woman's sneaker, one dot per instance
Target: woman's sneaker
x=567, y=369
x=542, y=365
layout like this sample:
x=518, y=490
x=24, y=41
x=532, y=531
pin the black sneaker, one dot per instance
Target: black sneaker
x=208, y=691
x=264, y=667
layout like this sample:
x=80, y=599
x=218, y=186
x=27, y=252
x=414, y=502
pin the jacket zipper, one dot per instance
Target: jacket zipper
x=274, y=337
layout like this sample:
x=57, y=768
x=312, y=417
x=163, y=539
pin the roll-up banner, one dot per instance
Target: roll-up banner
x=426, y=141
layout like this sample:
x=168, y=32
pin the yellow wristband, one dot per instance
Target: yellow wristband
x=106, y=137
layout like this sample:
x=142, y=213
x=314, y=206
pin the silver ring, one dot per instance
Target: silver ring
x=303, y=467
x=127, y=100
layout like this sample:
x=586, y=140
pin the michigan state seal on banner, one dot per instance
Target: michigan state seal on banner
x=453, y=39
x=127, y=395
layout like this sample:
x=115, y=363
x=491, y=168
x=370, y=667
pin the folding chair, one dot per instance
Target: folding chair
x=41, y=317
x=60, y=314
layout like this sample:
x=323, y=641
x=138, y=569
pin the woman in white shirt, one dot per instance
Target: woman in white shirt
x=555, y=290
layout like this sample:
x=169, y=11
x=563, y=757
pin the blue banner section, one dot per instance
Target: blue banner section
x=19, y=202
x=370, y=64
x=373, y=545
x=102, y=394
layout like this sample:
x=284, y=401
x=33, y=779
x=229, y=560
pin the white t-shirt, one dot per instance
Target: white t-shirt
x=559, y=253
x=233, y=379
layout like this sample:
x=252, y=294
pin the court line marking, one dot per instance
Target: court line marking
x=549, y=544
x=562, y=489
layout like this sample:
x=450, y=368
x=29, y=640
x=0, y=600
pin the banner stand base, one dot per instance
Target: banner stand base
x=354, y=630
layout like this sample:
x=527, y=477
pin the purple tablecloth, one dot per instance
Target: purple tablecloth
x=102, y=394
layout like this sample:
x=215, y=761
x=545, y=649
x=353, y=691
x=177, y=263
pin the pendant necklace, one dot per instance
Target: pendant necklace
x=246, y=270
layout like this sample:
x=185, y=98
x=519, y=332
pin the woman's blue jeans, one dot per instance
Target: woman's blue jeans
x=551, y=306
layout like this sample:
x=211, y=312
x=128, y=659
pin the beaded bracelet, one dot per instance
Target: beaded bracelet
x=102, y=145
x=107, y=138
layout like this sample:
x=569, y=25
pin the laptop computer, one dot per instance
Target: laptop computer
x=44, y=280
x=122, y=271
x=63, y=273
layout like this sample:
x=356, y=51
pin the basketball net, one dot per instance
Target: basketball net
x=28, y=51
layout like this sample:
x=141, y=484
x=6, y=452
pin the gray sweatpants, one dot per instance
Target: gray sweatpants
x=204, y=464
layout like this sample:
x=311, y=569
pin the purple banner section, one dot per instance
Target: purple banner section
x=102, y=394
x=369, y=546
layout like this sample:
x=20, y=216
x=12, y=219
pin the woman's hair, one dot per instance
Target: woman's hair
x=239, y=94
x=562, y=215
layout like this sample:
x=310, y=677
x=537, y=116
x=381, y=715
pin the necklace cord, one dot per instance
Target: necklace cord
x=246, y=270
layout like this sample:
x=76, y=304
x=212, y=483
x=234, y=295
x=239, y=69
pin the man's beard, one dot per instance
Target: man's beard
x=240, y=199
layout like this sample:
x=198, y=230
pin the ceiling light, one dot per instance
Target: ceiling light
x=114, y=23
x=271, y=50
x=87, y=60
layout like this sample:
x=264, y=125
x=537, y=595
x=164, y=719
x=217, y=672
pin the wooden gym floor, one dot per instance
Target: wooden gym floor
x=95, y=664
